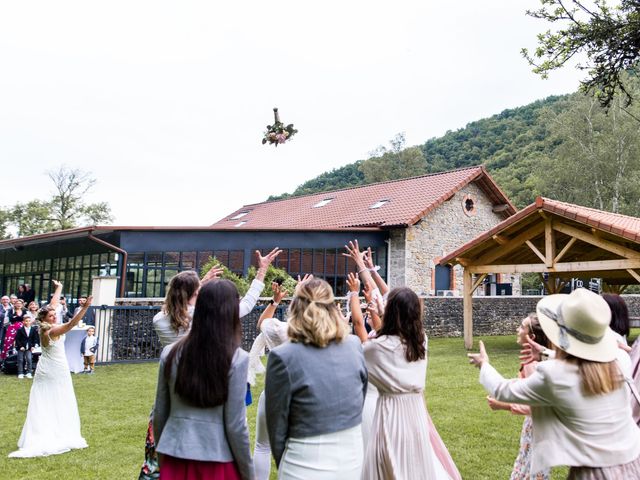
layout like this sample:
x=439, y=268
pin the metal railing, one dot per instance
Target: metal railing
x=126, y=333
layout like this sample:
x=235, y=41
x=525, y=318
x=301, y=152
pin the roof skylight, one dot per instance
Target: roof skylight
x=379, y=203
x=239, y=224
x=322, y=203
x=240, y=215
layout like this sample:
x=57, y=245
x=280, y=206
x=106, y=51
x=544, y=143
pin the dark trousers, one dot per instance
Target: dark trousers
x=24, y=356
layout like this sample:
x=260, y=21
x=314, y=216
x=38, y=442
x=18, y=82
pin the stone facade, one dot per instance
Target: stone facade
x=441, y=231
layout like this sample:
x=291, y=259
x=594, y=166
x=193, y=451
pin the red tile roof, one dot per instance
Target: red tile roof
x=615, y=223
x=409, y=200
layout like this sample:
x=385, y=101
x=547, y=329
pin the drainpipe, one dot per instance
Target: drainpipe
x=388, y=242
x=123, y=276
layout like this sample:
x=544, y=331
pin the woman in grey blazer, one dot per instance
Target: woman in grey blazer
x=200, y=415
x=315, y=390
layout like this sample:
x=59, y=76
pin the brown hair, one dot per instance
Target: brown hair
x=535, y=329
x=314, y=318
x=403, y=317
x=205, y=354
x=597, y=378
x=176, y=304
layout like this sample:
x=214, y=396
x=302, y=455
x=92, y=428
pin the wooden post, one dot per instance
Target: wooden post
x=467, y=308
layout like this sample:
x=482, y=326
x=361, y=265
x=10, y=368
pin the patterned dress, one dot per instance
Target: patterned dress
x=10, y=336
x=522, y=465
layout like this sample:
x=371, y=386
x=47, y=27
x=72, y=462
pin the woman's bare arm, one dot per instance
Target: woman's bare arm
x=58, y=330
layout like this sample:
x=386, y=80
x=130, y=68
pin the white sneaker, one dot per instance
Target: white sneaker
x=29, y=375
x=21, y=376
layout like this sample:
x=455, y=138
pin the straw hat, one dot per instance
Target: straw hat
x=578, y=323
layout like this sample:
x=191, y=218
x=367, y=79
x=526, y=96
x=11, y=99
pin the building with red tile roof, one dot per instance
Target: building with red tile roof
x=408, y=223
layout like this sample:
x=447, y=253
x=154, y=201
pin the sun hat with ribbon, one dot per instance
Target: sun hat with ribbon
x=578, y=323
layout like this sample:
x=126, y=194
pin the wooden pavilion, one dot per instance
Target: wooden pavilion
x=560, y=239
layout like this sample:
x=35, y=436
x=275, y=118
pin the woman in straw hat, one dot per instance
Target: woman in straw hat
x=580, y=404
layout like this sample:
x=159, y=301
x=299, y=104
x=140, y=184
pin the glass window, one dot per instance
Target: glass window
x=154, y=259
x=203, y=257
x=236, y=261
x=188, y=260
x=222, y=256
x=172, y=260
x=294, y=261
x=307, y=260
x=318, y=262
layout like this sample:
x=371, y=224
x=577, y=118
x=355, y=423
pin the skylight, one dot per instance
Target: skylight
x=379, y=203
x=240, y=215
x=322, y=203
x=239, y=224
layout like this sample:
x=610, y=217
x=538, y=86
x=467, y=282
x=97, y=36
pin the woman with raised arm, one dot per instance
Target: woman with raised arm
x=580, y=405
x=53, y=423
x=174, y=320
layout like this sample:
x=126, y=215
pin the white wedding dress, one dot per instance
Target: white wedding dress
x=53, y=423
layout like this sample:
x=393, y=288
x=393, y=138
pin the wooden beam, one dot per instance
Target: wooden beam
x=500, y=239
x=477, y=283
x=467, y=308
x=535, y=250
x=634, y=274
x=462, y=261
x=549, y=243
x=594, y=266
x=514, y=243
x=565, y=249
x=598, y=242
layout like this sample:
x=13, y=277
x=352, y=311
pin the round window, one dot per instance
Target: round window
x=469, y=205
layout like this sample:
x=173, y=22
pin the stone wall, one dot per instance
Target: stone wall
x=397, y=258
x=441, y=231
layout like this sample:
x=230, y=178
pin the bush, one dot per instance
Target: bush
x=241, y=284
x=289, y=282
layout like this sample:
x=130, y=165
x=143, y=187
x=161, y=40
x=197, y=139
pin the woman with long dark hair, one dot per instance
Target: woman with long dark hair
x=400, y=445
x=200, y=415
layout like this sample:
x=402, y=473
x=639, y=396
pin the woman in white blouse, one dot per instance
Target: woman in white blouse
x=580, y=404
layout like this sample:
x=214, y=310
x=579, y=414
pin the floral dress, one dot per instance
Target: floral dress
x=522, y=465
x=10, y=335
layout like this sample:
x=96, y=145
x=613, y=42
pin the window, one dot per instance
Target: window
x=322, y=203
x=469, y=205
x=239, y=224
x=379, y=203
x=240, y=215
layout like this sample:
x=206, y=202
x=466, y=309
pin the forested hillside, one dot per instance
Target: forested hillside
x=565, y=147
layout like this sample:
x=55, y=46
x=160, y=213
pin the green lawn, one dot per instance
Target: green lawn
x=115, y=403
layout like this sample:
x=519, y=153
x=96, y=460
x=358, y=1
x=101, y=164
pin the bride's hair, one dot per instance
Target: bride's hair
x=43, y=325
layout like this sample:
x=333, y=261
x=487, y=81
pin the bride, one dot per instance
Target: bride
x=49, y=431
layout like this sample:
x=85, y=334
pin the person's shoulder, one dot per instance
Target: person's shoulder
x=160, y=317
x=165, y=352
x=240, y=356
x=353, y=342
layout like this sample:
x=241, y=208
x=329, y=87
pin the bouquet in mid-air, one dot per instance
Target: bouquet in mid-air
x=278, y=133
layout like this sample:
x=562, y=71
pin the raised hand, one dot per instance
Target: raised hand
x=56, y=283
x=87, y=304
x=478, y=359
x=531, y=352
x=307, y=277
x=279, y=292
x=264, y=262
x=214, y=272
x=367, y=256
x=353, y=282
x=353, y=252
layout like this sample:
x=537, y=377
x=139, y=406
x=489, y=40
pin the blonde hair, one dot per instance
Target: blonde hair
x=597, y=378
x=44, y=326
x=314, y=318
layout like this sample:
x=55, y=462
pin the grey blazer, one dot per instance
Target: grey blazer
x=312, y=391
x=218, y=434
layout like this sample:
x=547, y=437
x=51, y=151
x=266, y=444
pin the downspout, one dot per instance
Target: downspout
x=388, y=242
x=123, y=276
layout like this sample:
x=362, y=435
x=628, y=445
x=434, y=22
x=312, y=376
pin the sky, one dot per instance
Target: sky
x=166, y=103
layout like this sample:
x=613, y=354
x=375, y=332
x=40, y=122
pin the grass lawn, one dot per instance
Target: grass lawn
x=115, y=402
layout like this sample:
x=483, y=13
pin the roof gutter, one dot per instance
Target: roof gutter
x=124, y=254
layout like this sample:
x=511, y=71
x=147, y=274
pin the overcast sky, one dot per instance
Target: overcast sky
x=166, y=102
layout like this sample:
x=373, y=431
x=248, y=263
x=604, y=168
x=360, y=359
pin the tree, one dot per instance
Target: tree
x=393, y=163
x=598, y=162
x=608, y=36
x=68, y=207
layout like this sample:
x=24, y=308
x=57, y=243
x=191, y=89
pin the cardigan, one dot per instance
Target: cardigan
x=570, y=428
x=214, y=434
x=313, y=391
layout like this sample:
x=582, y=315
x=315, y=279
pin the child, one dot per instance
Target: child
x=26, y=340
x=88, y=349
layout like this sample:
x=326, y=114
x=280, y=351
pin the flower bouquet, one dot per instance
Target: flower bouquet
x=278, y=133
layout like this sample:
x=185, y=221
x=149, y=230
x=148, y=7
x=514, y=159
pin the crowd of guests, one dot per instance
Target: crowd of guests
x=344, y=396
x=19, y=333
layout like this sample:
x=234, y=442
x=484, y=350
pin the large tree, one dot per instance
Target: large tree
x=67, y=208
x=598, y=162
x=605, y=40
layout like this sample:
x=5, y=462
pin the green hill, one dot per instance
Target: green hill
x=507, y=144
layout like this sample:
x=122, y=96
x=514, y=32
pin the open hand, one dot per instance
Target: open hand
x=530, y=352
x=367, y=256
x=353, y=252
x=264, y=262
x=279, y=292
x=478, y=359
x=56, y=283
x=353, y=282
x=306, y=278
x=87, y=304
x=214, y=272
